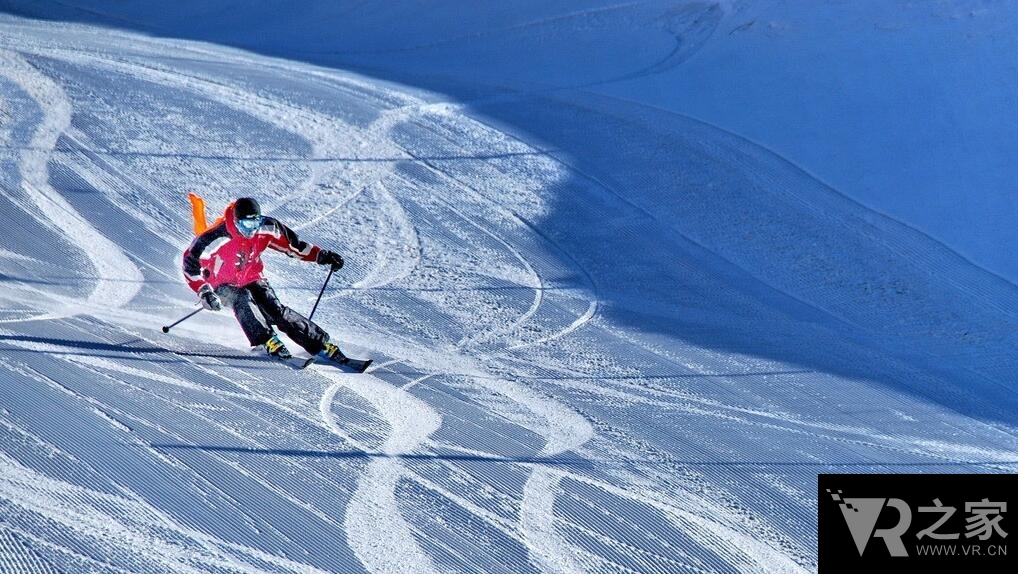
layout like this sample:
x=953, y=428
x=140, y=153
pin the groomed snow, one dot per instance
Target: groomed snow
x=624, y=301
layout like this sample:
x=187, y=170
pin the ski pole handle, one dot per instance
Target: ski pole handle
x=166, y=328
x=320, y=293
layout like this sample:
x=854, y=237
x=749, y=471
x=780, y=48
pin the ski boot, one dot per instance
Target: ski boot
x=275, y=348
x=332, y=353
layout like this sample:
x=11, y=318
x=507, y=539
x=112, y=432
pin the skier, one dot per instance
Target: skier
x=224, y=265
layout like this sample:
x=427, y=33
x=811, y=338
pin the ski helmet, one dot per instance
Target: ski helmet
x=248, y=215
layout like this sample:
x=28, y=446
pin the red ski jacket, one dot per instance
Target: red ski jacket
x=223, y=256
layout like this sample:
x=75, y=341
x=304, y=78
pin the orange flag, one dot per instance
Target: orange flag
x=198, y=213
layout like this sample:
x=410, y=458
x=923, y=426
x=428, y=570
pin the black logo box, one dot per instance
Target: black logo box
x=837, y=548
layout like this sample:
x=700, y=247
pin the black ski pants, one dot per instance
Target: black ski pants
x=257, y=309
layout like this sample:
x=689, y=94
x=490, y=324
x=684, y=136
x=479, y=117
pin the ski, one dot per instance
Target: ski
x=294, y=362
x=351, y=365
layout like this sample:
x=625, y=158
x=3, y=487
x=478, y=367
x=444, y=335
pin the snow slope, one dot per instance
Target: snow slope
x=904, y=106
x=608, y=336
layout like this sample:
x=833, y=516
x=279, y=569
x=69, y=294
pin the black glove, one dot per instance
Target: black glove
x=326, y=257
x=209, y=299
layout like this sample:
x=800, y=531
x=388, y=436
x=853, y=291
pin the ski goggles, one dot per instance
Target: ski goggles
x=249, y=225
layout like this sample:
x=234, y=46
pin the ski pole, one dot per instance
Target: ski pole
x=166, y=328
x=320, y=293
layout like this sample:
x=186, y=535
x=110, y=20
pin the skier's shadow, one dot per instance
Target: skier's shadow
x=129, y=350
x=572, y=462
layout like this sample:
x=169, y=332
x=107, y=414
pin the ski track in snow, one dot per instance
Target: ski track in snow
x=562, y=429
x=374, y=526
x=118, y=280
